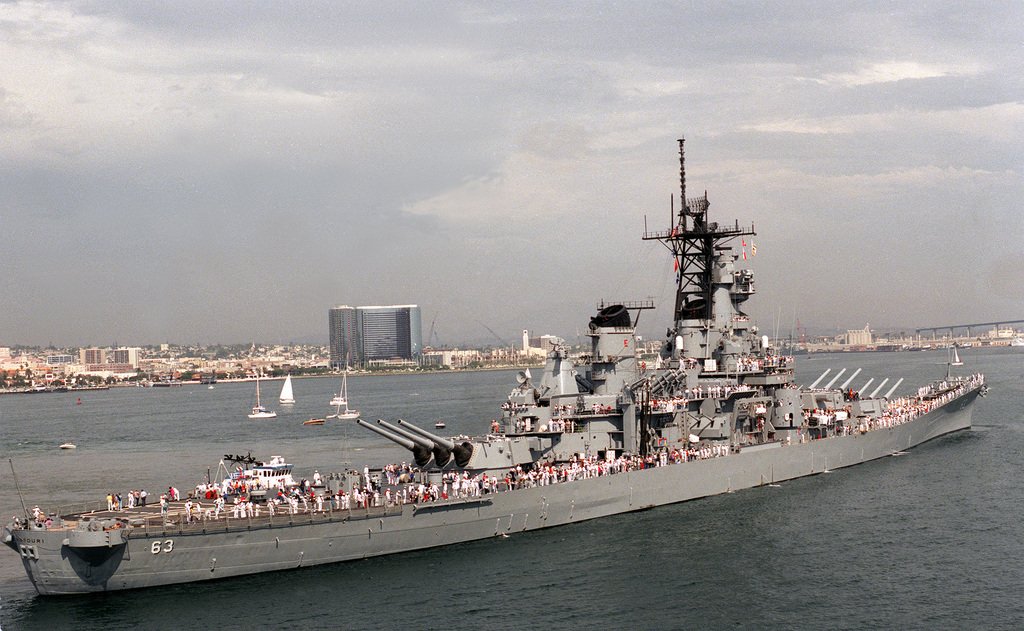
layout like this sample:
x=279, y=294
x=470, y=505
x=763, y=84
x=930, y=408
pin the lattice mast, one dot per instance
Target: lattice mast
x=693, y=243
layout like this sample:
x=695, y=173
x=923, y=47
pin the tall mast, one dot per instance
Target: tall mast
x=682, y=184
x=693, y=243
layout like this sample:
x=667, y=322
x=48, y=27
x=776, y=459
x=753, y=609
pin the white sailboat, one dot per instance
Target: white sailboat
x=286, y=391
x=340, y=401
x=954, y=360
x=258, y=411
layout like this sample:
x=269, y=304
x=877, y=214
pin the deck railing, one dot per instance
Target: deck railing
x=177, y=522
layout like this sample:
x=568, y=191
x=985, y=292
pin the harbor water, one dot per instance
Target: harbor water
x=930, y=539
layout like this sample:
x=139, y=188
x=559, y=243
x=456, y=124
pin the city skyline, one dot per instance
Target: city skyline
x=1005, y=329
x=223, y=173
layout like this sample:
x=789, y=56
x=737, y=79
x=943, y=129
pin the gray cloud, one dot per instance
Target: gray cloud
x=222, y=172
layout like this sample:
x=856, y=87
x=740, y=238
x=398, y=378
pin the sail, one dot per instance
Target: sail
x=286, y=391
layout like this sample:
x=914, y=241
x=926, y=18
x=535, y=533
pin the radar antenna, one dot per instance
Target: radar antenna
x=693, y=243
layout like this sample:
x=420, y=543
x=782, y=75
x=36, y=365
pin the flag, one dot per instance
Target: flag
x=744, y=255
x=743, y=242
x=753, y=249
x=675, y=264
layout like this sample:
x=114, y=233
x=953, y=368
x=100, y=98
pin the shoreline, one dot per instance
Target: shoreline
x=376, y=373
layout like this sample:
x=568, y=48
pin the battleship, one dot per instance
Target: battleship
x=594, y=434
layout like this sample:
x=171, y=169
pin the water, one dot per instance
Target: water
x=931, y=539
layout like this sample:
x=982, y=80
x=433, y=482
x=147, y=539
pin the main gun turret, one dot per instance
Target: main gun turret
x=424, y=445
x=422, y=455
x=461, y=452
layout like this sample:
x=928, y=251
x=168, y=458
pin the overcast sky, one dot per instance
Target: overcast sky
x=208, y=172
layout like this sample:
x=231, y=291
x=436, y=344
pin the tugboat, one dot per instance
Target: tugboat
x=605, y=433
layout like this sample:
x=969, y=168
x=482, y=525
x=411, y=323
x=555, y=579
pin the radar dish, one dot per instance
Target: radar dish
x=522, y=377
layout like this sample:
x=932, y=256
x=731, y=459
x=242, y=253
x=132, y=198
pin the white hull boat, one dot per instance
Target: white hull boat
x=258, y=411
x=340, y=402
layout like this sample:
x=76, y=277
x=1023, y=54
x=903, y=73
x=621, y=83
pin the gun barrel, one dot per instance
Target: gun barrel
x=834, y=379
x=405, y=442
x=880, y=386
x=421, y=454
x=444, y=442
x=849, y=379
x=893, y=388
x=444, y=449
x=442, y=454
x=816, y=381
x=419, y=440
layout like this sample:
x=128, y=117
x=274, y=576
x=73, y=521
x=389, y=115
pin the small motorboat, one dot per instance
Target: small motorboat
x=314, y=421
x=440, y=425
x=69, y=446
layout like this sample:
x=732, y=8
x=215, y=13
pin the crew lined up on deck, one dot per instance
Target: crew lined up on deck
x=897, y=412
x=399, y=487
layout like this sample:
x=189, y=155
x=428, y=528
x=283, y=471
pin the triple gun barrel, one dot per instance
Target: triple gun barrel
x=423, y=444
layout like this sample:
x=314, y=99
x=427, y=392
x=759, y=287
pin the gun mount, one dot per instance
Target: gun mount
x=442, y=454
x=462, y=452
x=421, y=455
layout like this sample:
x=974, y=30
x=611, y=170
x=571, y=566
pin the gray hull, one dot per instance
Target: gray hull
x=101, y=562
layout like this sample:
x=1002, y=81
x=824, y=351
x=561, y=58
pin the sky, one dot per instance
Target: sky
x=205, y=172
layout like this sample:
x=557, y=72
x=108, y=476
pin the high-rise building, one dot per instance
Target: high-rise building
x=392, y=332
x=344, y=337
x=374, y=334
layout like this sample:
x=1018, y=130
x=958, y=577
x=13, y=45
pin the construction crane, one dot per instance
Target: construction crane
x=432, y=336
x=496, y=336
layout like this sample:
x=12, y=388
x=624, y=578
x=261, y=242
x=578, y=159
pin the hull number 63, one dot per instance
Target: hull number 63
x=162, y=546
